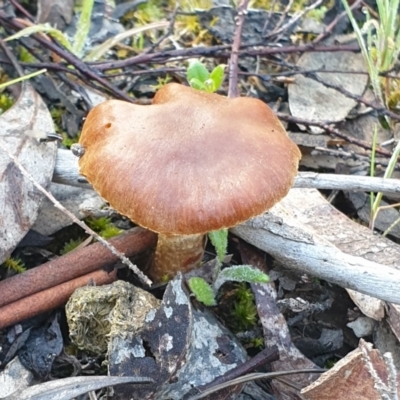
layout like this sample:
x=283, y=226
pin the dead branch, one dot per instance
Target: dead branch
x=67, y=172
x=234, y=60
x=304, y=233
x=73, y=218
x=74, y=264
x=51, y=298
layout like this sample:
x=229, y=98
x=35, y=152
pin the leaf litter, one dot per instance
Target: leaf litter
x=155, y=347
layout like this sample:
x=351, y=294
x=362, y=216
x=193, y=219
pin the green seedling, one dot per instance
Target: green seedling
x=200, y=78
x=202, y=291
x=206, y=293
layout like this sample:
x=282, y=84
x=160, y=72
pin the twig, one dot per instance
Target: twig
x=252, y=377
x=265, y=356
x=22, y=10
x=293, y=20
x=347, y=182
x=83, y=68
x=50, y=299
x=168, y=32
x=268, y=19
x=327, y=127
x=281, y=19
x=67, y=172
x=74, y=264
x=89, y=231
x=328, y=30
x=237, y=39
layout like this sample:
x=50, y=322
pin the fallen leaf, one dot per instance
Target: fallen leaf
x=19, y=198
x=314, y=101
x=351, y=378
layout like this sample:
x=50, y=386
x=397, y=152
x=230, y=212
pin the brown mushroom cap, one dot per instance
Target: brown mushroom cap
x=189, y=163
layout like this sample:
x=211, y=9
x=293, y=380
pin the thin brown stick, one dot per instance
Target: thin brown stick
x=66, y=55
x=233, y=64
x=50, y=299
x=74, y=264
x=73, y=218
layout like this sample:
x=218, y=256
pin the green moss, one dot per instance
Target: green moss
x=71, y=245
x=244, y=312
x=148, y=13
x=103, y=226
x=25, y=56
x=162, y=81
x=6, y=102
x=68, y=141
x=14, y=264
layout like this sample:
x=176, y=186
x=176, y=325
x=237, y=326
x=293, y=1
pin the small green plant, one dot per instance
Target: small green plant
x=200, y=78
x=161, y=82
x=206, y=293
x=257, y=343
x=381, y=48
x=14, y=264
x=103, y=226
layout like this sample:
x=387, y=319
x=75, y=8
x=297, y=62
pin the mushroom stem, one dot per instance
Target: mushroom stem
x=176, y=253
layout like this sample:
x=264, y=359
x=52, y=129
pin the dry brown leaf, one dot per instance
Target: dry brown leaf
x=350, y=378
x=19, y=199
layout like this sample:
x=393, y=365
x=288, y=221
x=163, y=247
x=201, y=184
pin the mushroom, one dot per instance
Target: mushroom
x=190, y=163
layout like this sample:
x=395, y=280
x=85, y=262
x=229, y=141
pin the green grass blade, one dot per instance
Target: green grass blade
x=82, y=29
x=42, y=28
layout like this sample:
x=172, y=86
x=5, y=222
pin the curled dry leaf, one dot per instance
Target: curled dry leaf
x=20, y=200
x=351, y=377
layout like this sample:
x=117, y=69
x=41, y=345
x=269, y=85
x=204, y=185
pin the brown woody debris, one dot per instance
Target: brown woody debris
x=74, y=264
x=352, y=378
x=51, y=298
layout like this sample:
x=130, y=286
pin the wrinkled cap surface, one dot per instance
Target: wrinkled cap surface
x=191, y=162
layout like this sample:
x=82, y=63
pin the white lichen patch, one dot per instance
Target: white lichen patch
x=180, y=296
x=167, y=342
x=150, y=315
x=168, y=311
x=125, y=350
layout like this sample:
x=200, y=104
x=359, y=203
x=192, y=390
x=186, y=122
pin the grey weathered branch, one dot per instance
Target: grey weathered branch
x=307, y=234
x=67, y=172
